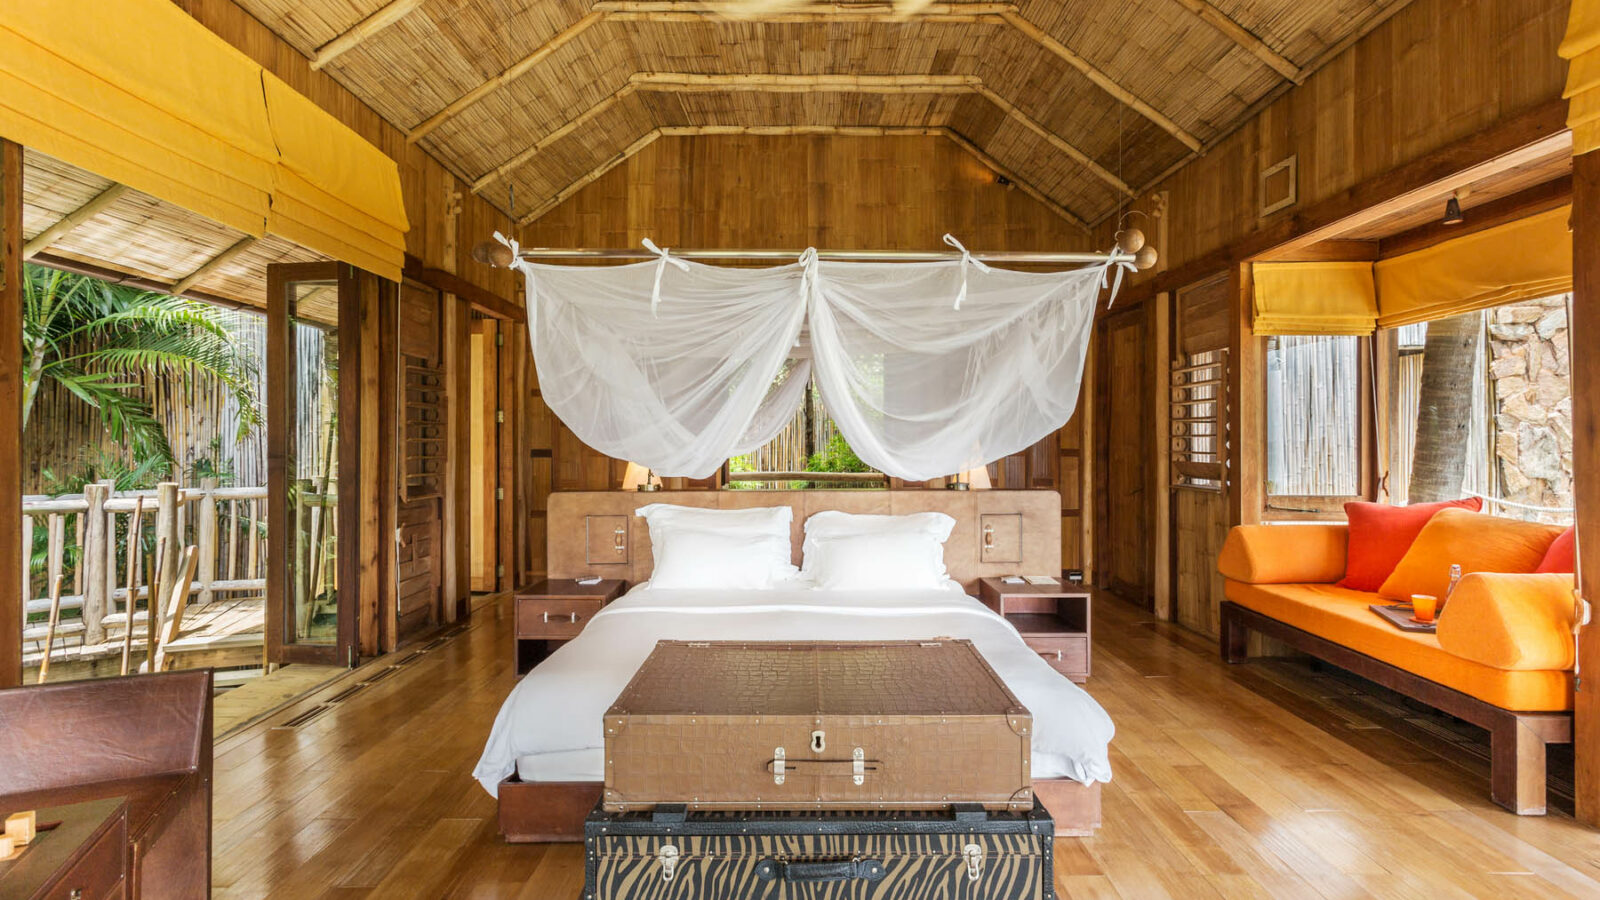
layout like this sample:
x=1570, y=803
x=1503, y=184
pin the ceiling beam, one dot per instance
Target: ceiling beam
x=1100, y=79
x=212, y=264
x=692, y=83
x=73, y=219
x=851, y=130
x=386, y=15
x=1055, y=141
x=593, y=174
x=1237, y=33
x=517, y=70
x=822, y=13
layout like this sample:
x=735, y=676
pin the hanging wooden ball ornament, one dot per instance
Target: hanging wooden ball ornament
x=492, y=253
x=1145, y=258
x=1130, y=240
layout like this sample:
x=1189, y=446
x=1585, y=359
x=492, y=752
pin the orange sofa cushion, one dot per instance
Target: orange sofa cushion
x=1476, y=542
x=1513, y=622
x=1341, y=615
x=1283, y=554
x=1562, y=555
x=1381, y=534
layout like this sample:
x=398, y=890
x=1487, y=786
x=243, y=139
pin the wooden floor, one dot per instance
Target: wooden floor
x=1262, y=781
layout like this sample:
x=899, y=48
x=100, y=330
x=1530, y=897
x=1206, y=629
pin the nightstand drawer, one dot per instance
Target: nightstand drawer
x=561, y=617
x=1068, y=655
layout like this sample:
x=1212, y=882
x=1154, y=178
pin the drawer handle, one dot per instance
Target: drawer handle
x=572, y=617
x=77, y=894
x=1046, y=654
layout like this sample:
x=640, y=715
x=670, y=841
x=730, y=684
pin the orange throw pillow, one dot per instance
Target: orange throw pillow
x=1475, y=542
x=1381, y=534
x=1563, y=554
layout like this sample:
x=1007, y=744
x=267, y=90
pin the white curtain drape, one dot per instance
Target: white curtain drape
x=679, y=389
x=927, y=368
x=922, y=389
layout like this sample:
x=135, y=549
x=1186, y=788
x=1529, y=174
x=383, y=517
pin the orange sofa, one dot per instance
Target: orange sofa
x=1502, y=658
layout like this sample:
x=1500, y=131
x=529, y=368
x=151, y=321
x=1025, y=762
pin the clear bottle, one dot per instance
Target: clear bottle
x=1455, y=579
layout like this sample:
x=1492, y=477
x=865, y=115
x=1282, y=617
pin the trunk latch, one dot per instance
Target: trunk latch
x=858, y=766
x=668, y=857
x=973, y=854
x=777, y=766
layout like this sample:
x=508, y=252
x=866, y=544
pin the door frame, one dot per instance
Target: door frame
x=280, y=414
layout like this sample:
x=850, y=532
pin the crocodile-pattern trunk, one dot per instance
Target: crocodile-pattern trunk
x=817, y=725
x=970, y=855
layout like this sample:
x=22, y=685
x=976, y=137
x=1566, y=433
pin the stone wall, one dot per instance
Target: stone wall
x=1532, y=393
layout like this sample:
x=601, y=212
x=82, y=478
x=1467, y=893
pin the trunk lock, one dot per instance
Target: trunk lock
x=667, y=855
x=819, y=742
x=973, y=854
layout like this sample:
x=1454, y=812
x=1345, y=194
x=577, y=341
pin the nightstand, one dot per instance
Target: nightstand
x=1052, y=619
x=553, y=612
x=86, y=856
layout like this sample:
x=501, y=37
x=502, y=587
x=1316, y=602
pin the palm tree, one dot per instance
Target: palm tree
x=95, y=338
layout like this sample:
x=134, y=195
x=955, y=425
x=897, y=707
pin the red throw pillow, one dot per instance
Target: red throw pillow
x=1381, y=534
x=1562, y=555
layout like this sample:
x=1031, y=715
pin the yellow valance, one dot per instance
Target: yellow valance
x=1582, y=47
x=1522, y=260
x=1314, y=298
x=159, y=102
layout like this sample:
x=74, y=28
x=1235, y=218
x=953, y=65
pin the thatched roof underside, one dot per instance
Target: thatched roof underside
x=1081, y=101
x=134, y=234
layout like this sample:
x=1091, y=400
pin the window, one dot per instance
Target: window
x=810, y=446
x=1513, y=419
x=1313, y=421
x=1198, y=419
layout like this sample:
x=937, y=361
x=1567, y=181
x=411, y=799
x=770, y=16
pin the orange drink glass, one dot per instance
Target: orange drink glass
x=1424, y=606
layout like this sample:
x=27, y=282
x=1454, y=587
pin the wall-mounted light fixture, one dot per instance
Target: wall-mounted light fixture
x=1452, y=210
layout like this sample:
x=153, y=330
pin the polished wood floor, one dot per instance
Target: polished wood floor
x=1264, y=781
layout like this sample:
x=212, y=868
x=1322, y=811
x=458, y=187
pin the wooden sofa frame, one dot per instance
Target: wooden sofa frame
x=1516, y=739
x=553, y=812
x=143, y=737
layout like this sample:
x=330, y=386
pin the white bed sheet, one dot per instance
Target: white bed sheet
x=549, y=728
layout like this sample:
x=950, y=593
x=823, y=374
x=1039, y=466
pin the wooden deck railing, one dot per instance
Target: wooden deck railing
x=227, y=525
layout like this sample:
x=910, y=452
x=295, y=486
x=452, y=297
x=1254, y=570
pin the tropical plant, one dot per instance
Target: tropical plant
x=96, y=339
x=836, y=456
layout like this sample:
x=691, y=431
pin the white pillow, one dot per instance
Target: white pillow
x=906, y=559
x=686, y=559
x=832, y=523
x=759, y=536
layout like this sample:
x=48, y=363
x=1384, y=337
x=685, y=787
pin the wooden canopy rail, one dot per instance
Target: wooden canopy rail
x=1021, y=257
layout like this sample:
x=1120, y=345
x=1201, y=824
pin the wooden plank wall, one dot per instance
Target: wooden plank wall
x=1586, y=448
x=11, y=598
x=839, y=192
x=1418, y=89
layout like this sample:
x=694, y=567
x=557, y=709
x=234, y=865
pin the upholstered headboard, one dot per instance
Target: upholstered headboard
x=996, y=533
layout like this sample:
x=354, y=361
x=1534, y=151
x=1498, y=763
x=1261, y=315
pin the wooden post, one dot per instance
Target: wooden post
x=92, y=565
x=1246, y=434
x=170, y=544
x=12, y=603
x=1583, y=335
x=207, y=539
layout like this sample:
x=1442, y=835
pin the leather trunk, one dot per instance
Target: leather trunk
x=964, y=853
x=817, y=725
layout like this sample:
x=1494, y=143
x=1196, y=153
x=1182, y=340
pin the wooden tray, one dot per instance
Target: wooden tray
x=1399, y=615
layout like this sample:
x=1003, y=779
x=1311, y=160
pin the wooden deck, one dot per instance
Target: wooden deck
x=221, y=633
x=1262, y=781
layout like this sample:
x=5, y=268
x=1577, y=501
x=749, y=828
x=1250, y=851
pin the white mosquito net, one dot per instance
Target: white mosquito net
x=927, y=368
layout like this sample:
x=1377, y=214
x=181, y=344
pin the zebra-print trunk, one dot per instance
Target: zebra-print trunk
x=833, y=856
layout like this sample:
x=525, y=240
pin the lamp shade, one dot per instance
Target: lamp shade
x=636, y=476
x=977, y=479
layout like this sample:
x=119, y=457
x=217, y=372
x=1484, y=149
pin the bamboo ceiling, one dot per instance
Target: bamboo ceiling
x=72, y=216
x=1080, y=101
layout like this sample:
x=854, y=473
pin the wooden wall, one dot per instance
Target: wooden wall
x=764, y=191
x=1438, y=72
x=1397, y=109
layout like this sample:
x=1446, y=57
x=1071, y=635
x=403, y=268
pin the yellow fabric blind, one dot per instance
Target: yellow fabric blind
x=1582, y=47
x=1314, y=298
x=1521, y=260
x=158, y=102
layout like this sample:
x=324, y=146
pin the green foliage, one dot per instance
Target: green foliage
x=97, y=340
x=836, y=457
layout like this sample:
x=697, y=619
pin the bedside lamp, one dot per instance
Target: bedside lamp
x=972, y=479
x=637, y=478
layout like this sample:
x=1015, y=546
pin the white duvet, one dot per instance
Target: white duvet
x=549, y=729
